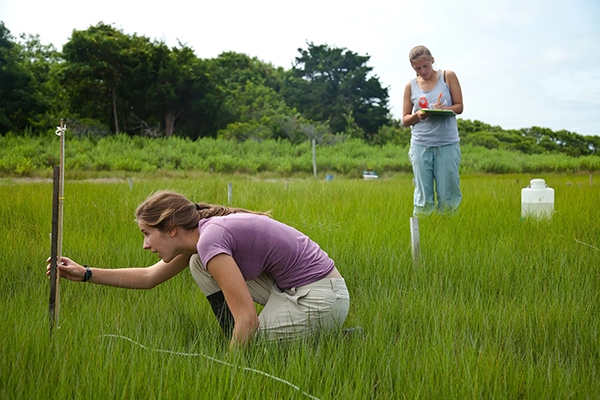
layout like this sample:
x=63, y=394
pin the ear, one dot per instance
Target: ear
x=173, y=232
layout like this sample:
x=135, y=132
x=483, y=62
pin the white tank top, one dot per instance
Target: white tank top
x=436, y=130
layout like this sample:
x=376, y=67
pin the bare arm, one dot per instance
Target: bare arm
x=408, y=118
x=229, y=277
x=130, y=278
x=455, y=92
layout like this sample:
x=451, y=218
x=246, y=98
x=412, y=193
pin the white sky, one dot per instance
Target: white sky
x=521, y=63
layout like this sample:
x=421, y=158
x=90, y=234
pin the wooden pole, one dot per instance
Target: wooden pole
x=415, y=239
x=61, y=198
x=57, y=230
x=52, y=305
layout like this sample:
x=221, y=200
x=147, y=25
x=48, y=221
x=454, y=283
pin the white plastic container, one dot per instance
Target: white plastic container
x=368, y=175
x=537, y=200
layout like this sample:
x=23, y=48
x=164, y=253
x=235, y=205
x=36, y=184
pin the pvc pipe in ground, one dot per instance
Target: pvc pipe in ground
x=415, y=239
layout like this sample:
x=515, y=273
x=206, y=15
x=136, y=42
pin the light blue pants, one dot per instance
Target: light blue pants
x=436, y=173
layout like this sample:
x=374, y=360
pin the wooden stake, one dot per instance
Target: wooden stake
x=57, y=230
x=61, y=198
x=53, y=303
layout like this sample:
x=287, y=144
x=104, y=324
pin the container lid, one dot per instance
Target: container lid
x=537, y=183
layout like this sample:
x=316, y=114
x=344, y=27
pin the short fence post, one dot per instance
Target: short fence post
x=415, y=240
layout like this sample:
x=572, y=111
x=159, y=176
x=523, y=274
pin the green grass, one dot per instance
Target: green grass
x=498, y=307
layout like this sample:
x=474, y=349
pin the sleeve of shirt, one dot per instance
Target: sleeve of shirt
x=214, y=240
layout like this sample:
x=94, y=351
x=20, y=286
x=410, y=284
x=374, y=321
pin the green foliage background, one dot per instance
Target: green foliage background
x=106, y=82
x=130, y=156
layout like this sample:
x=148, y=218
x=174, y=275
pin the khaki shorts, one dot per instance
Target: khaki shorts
x=294, y=313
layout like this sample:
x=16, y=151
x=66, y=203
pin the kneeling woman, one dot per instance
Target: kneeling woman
x=237, y=257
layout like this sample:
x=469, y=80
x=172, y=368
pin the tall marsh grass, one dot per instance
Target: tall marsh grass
x=34, y=156
x=498, y=306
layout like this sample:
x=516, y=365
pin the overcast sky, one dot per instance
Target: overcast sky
x=521, y=63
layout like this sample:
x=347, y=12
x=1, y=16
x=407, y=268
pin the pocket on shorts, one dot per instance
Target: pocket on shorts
x=340, y=289
x=297, y=294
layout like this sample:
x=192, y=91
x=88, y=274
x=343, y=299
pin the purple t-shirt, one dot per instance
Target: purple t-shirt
x=260, y=244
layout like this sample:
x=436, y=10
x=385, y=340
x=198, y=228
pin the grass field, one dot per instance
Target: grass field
x=498, y=306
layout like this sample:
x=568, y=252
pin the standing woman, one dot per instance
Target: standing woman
x=237, y=257
x=434, y=146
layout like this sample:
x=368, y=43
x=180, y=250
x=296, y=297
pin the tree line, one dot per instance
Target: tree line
x=108, y=82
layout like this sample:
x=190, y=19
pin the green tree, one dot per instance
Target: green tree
x=395, y=133
x=43, y=61
x=593, y=144
x=253, y=105
x=483, y=139
x=231, y=73
x=175, y=86
x=466, y=126
x=333, y=85
x=572, y=144
x=20, y=100
x=263, y=114
x=100, y=65
x=467, y=129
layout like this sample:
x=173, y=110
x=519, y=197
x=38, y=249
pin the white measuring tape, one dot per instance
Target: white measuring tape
x=178, y=353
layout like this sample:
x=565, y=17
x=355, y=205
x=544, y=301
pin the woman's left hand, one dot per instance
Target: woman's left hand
x=69, y=269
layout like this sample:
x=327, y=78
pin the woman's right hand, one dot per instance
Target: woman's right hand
x=69, y=269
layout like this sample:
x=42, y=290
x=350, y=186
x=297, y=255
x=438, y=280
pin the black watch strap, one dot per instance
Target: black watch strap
x=88, y=274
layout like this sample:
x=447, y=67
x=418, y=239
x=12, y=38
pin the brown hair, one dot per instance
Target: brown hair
x=418, y=51
x=165, y=209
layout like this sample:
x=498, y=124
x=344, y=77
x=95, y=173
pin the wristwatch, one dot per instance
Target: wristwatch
x=88, y=274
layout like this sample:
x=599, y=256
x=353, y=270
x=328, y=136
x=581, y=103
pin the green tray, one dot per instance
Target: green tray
x=439, y=112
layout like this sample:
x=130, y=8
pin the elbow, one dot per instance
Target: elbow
x=148, y=281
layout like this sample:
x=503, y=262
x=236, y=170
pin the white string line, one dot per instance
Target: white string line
x=60, y=131
x=589, y=245
x=177, y=353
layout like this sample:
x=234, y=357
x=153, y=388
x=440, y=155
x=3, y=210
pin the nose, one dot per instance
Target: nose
x=146, y=246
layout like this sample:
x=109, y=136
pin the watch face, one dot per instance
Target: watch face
x=88, y=274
